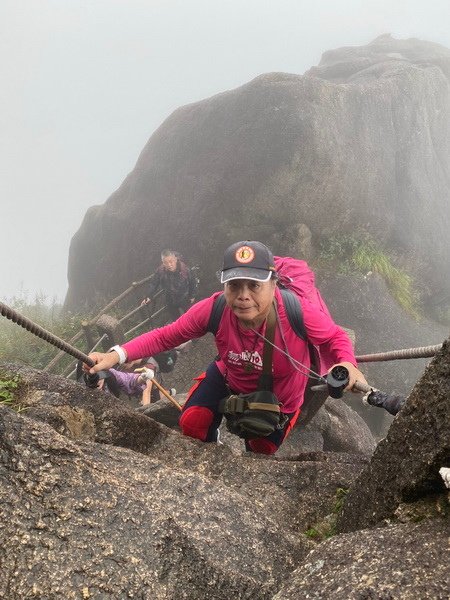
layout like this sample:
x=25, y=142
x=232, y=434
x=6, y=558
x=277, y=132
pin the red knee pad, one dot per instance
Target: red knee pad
x=195, y=422
x=262, y=446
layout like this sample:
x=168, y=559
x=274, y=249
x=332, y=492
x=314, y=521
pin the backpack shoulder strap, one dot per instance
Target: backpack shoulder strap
x=216, y=314
x=291, y=304
x=294, y=312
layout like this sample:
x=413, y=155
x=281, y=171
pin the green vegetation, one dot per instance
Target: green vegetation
x=313, y=533
x=19, y=345
x=8, y=388
x=341, y=493
x=326, y=528
x=350, y=254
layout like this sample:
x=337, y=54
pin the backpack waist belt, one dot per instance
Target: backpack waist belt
x=238, y=404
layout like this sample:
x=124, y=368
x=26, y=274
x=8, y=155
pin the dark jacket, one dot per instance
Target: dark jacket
x=179, y=285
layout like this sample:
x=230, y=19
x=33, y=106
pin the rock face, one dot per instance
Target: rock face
x=405, y=465
x=92, y=520
x=97, y=497
x=97, y=501
x=383, y=56
x=360, y=143
x=380, y=563
x=381, y=325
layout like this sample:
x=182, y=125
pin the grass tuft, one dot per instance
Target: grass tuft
x=8, y=388
x=349, y=255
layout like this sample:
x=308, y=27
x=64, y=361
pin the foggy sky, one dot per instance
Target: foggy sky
x=84, y=83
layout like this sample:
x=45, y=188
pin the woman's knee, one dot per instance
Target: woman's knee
x=195, y=422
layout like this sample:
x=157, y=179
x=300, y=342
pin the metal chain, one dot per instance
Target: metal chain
x=13, y=315
x=42, y=333
x=421, y=352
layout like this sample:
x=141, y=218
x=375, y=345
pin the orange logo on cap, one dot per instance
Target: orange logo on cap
x=245, y=254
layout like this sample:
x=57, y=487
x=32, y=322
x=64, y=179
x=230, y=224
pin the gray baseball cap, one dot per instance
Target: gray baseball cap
x=247, y=260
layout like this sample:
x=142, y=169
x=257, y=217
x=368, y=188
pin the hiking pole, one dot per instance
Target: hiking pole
x=149, y=375
x=392, y=403
x=337, y=380
x=167, y=395
x=15, y=317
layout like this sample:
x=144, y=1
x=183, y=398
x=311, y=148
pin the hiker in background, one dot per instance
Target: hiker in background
x=132, y=380
x=177, y=281
x=260, y=397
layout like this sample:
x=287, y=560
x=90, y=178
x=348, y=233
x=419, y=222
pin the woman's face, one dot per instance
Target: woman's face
x=250, y=300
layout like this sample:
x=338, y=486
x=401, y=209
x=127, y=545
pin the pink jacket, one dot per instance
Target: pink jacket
x=236, y=346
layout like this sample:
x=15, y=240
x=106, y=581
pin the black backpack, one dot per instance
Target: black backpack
x=166, y=360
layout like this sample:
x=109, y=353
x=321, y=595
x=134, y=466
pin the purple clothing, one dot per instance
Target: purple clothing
x=128, y=382
x=238, y=346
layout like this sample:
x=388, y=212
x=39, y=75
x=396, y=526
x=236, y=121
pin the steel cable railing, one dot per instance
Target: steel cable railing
x=42, y=333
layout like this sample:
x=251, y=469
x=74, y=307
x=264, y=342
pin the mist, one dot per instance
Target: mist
x=85, y=83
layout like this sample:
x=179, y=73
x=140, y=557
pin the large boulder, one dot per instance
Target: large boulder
x=359, y=144
x=383, y=55
x=98, y=500
x=405, y=465
x=92, y=520
x=402, y=561
x=88, y=415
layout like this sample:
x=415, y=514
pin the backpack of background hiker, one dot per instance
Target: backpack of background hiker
x=166, y=360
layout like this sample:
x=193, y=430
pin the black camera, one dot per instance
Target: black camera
x=337, y=381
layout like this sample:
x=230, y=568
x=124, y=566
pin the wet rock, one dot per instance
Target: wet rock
x=405, y=465
x=402, y=561
x=97, y=500
x=121, y=524
x=125, y=505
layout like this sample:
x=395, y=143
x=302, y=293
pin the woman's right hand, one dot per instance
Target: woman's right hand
x=103, y=361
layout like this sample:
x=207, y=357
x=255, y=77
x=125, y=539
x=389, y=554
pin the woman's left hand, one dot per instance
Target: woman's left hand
x=354, y=375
